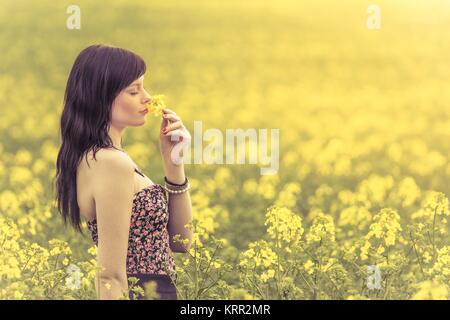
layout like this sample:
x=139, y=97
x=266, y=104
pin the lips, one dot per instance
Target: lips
x=144, y=111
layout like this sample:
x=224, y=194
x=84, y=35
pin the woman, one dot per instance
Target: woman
x=131, y=219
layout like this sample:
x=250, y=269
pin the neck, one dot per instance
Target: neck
x=116, y=136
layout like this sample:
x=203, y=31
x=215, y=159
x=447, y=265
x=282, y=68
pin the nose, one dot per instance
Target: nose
x=147, y=99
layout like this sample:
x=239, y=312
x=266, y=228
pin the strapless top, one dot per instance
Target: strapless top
x=148, y=244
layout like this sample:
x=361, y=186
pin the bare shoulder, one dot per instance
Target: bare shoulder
x=107, y=157
x=112, y=175
x=107, y=161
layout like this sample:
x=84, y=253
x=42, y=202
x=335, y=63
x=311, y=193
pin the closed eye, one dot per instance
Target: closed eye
x=135, y=93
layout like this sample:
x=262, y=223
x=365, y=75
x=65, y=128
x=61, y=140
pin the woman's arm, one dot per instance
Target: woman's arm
x=180, y=209
x=113, y=194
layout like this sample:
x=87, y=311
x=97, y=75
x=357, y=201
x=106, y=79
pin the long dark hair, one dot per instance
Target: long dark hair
x=98, y=75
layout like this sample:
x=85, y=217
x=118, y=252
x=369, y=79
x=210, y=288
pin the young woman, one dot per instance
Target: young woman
x=131, y=219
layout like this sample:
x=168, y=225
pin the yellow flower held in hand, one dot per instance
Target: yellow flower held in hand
x=157, y=105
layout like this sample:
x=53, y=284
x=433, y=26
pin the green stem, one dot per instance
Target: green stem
x=417, y=254
x=278, y=259
x=434, y=243
x=196, y=271
x=207, y=268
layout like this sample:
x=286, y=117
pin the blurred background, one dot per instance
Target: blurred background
x=364, y=125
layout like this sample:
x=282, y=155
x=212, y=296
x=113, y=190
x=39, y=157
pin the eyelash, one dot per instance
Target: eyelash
x=135, y=93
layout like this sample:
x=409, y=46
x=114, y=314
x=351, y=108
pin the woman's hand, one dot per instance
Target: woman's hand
x=172, y=134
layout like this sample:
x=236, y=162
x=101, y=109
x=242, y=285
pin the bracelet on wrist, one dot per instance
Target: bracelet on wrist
x=176, y=184
x=176, y=191
x=174, y=188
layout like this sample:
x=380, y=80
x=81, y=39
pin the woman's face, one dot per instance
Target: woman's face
x=128, y=107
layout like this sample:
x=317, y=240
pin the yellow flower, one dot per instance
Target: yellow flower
x=93, y=250
x=436, y=201
x=20, y=176
x=385, y=229
x=23, y=157
x=376, y=188
x=283, y=225
x=431, y=290
x=288, y=196
x=441, y=267
x=267, y=185
x=85, y=282
x=386, y=226
x=267, y=275
x=309, y=266
x=408, y=191
x=250, y=186
x=380, y=250
x=259, y=254
x=356, y=297
x=240, y=294
x=355, y=216
x=157, y=105
x=9, y=203
x=322, y=229
x=365, y=250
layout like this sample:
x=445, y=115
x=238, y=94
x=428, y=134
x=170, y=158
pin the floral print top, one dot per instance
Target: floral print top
x=148, y=244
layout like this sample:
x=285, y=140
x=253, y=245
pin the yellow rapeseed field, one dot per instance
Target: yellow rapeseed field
x=358, y=208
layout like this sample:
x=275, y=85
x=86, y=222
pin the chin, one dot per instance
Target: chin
x=138, y=123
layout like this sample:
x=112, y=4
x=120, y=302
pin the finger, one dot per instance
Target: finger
x=173, y=126
x=179, y=135
x=166, y=122
x=171, y=116
x=167, y=110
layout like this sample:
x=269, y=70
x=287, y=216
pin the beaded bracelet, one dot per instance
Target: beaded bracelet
x=176, y=188
x=176, y=191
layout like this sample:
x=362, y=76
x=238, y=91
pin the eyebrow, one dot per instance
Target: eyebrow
x=134, y=84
